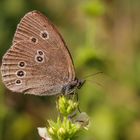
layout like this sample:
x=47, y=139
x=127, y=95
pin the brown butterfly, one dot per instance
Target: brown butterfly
x=39, y=61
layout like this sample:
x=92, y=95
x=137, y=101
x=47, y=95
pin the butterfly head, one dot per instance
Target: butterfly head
x=80, y=83
x=72, y=86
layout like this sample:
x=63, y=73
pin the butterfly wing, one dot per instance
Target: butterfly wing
x=35, y=26
x=39, y=61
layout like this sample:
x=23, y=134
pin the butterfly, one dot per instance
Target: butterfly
x=39, y=61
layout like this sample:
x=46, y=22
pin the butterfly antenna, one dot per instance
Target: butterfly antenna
x=95, y=83
x=93, y=74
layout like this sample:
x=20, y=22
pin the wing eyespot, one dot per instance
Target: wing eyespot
x=39, y=59
x=40, y=52
x=20, y=73
x=44, y=35
x=18, y=82
x=22, y=64
x=34, y=40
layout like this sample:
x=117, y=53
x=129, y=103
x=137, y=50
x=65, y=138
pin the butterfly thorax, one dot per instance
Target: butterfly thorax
x=72, y=86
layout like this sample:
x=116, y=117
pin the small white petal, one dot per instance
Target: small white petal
x=83, y=120
x=42, y=131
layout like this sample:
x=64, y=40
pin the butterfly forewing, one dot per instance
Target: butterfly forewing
x=33, y=26
x=38, y=61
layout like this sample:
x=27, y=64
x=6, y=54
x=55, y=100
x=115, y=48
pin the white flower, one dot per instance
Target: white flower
x=83, y=120
x=42, y=131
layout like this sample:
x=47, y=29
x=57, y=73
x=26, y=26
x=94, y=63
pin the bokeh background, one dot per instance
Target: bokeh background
x=102, y=35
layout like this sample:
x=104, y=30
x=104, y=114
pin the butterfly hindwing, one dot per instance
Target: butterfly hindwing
x=29, y=68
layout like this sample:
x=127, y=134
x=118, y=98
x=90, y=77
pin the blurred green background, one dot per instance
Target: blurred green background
x=102, y=35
